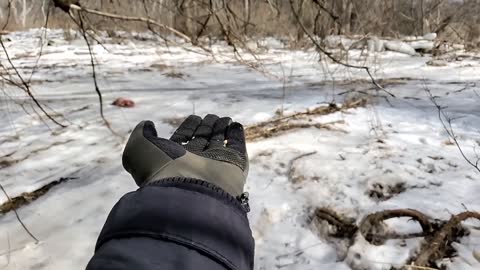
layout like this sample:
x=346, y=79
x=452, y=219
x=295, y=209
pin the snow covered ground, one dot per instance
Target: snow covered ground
x=399, y=142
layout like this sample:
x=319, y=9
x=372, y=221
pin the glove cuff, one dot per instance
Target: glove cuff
x=240, y=202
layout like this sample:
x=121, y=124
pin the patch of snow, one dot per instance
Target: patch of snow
x=401, y=47
x=430, y=36
x=422, y=45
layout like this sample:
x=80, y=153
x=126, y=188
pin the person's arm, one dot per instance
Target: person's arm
x=190, y=209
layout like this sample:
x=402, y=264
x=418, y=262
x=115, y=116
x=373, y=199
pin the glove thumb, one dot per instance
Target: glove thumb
x=145, y=153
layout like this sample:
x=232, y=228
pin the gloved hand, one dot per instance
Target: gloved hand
x=212, y=150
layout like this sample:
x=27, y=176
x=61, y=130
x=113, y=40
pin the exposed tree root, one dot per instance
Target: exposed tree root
x=436, y=248
x=12, y=204
x=370, y=225
x=438, y=235
x=7, y=161
x=27, y=197
x=280, y=125
x=342, y=226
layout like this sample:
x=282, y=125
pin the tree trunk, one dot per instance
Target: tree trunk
x=246, y=15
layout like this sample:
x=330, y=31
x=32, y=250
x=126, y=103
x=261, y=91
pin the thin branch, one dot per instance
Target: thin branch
x=18, y=217
x=280, y=125
x=148, y=21
x=467, y=86
x=42, y=39
x=273, y=8
x=92, y=62
x=291, y=166
x=94, y=72
x=331, y=57
x=129, y=18
x=9, y=8
x=149, y=26
x=204, y=26
x=329, y=12
x=447, y=126
x=476, y=93
x=232, y=38
x=25, y=87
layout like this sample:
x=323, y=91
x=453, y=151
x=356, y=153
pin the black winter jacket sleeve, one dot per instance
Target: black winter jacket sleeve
x=175, y=224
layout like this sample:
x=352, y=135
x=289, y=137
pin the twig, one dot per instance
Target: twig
x=329, y=12
x=291, y=165
x=466, y=87
x=45, y=29
x=476, y=93
x=443, y=117
x=9, y=7
x=25, y=87
x=18, y=217
x=129, y=18
x=264, y=129
x=232, y=38
x=148, y=21
x=273, y=8
x=285, y=126
x=331, y=57
x=94, y=72
x=203, y=27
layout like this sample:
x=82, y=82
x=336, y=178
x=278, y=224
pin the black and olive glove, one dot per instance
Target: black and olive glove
x=210, y=149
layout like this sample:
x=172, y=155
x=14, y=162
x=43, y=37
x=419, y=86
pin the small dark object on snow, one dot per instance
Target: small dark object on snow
x=65, y=4
x=124, y=103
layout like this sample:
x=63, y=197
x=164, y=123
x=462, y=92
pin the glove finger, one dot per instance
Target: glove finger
x=170, y=148
x=235, y=137
x=218, y=134
x=202, y=135
x=185, y=131
x=206, y=127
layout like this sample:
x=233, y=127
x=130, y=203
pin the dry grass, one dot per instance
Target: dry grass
x=175, y=75
x=299, y=120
